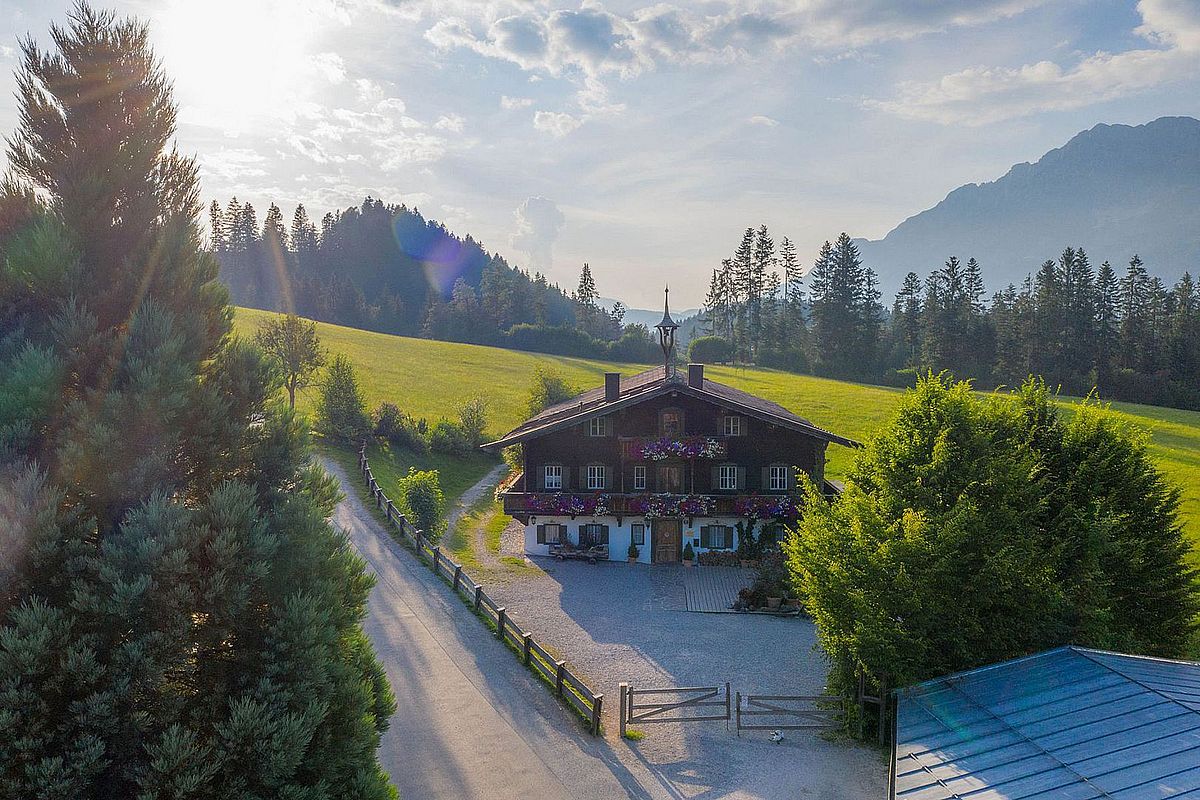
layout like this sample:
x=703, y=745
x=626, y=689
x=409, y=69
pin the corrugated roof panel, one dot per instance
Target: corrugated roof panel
x=1067, y=724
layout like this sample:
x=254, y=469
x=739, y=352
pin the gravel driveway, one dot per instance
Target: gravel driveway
x=620, y=622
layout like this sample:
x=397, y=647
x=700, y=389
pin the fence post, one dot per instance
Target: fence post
x=500, y=612
x=623, y=706
x=478, y=596
x=525, y=640
x=388, y=511
x=738, y=713
x=457, y=575
x=726, y=705
x=596, y=714
x=559, y=666
x=437, y=553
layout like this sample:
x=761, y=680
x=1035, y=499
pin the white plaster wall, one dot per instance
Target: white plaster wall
x=620, y=535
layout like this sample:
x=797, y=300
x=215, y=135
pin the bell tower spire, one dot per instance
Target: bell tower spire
x=666, y=334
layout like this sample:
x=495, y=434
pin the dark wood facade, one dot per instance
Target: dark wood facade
x=757, y=447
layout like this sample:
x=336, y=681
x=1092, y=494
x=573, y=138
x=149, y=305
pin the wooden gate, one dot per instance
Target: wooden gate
x=675, y=704
x=770, y=712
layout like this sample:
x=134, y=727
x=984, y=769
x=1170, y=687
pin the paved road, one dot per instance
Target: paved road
x=471, y=722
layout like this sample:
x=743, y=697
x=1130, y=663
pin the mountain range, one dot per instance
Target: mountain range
x=1115, y=190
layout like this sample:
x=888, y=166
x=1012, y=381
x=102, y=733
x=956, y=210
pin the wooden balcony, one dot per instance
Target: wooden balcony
x=522, y=505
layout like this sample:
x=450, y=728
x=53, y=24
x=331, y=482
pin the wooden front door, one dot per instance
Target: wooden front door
x=666, y=536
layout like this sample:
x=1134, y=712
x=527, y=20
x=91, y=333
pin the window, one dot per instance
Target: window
x=554, y=475
x=637, y=533
x=593, y=534
x=595, y=476
x=639, y=477
x=733, y=426
x=670, y=478
x=727, y=477
x=550, y=534
x=716, y=537
x=779, y=478
x=598, y=426
x=670, y=422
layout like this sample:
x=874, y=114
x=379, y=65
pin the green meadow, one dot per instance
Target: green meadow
x=430, y=379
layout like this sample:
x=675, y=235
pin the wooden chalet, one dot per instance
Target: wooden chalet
x=661, y=459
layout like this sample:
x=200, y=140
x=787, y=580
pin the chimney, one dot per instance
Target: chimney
x=612, y=386
x=696, y=376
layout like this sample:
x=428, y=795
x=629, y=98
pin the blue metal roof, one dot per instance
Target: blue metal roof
x=1067, y=724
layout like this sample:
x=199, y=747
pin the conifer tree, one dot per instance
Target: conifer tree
x=177, y=616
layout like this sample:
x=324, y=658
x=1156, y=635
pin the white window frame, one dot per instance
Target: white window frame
x=598, y=427
x=726, y=538
x=639, y=477
x=637, y=534
x=597, y=477
x=778, y=477
x=554, y=471
x=733, y=425
x=727, y=477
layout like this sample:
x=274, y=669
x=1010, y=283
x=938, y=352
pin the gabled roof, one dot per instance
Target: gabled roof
x=653, y=383
x=1068, y=723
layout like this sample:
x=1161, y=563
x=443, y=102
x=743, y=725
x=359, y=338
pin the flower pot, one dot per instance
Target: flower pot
x=773, y=602
x=632, y=559
x=687, y=562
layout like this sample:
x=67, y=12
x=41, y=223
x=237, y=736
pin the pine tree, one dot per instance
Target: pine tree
x=791, y=330
x=218, y=233
x=906, y=320
x=1107, y=321
x=1135, y=330
x=177, y=616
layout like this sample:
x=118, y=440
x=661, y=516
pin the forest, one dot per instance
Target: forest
x=1128, y=335
x=386, y=268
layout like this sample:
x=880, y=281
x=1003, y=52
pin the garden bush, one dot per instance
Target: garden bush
x=421, y=500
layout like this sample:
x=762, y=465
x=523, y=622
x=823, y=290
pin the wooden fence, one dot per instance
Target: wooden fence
x=567, y=686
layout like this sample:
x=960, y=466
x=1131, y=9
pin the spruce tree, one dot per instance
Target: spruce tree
x=177, y=616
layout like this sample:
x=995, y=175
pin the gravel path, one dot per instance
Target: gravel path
x=620, y=622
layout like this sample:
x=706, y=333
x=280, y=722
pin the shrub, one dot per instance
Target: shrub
x=633, y=551
x=710, y=350
x=341, y=410
x=689, y=554
x=399, y=429
x=547, y=388
x=421, y=500
x=449, y=437
x=472, y=419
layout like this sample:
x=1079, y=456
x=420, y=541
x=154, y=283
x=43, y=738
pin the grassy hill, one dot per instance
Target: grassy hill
x=428, y=379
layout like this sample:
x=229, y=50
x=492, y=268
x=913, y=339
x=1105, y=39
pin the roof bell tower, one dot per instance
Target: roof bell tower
x=666, y=334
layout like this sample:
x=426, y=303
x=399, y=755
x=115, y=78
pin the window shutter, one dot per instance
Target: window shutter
x=583, y=477
x=541, y=534
x=604, y=477
x=766, y=479
x=705, y=535
x=791, y=478
x=741, y=477
x=716, y=479
x=604, y=534
x=541, y=479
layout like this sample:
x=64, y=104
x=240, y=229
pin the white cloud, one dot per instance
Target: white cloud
x=406, y=149
x=556, y=123
x=538, y=222
x=983, y=95
x=509, y=103
x=450, y=122
x=767, y=122
x=331, y=66
x=368, y=90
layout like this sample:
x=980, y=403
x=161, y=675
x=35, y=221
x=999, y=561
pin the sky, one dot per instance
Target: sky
x=642, y=137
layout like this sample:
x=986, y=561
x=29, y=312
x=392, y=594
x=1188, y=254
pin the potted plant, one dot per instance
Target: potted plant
x=689, y=555
x=632, y=552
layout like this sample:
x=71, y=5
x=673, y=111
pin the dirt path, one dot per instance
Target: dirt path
x=471, y=496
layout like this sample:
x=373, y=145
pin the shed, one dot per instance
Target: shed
x=1066, y=724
